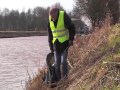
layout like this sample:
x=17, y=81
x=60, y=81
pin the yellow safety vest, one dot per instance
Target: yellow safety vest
x=59, y=32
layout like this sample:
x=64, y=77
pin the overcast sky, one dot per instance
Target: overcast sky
x=25, y=4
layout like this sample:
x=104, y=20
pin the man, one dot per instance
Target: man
x=61, y=33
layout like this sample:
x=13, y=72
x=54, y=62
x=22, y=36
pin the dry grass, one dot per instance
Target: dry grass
x=95, y=59
x=36, y=83
x=89, y=53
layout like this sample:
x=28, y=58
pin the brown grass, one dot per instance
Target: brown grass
x=91, y=57
x=37, y=83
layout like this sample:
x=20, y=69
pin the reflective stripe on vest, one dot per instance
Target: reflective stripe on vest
x=59, y=32
x=62, y=35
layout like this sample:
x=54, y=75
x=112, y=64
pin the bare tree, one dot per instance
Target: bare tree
x=97, y=10
x=113, y=6
x=80, y=8
x=13, y=20
x=33, y=19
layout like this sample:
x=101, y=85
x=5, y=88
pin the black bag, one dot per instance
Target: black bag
x=50, y=77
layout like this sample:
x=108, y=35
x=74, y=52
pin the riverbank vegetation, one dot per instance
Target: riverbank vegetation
x=35, y=19
x=32, y=22
x=95, y=60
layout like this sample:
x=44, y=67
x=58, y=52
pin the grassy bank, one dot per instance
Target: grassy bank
x=9, y=34
x=95, y=59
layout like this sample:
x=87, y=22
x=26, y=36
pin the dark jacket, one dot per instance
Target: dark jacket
x=59, y=47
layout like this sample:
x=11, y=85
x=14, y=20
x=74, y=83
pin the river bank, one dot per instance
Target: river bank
x=95, y=60
x=10, y=34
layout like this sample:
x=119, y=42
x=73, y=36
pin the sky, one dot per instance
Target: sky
x=25, y=4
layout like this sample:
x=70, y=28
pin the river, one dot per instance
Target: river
x=20, y=58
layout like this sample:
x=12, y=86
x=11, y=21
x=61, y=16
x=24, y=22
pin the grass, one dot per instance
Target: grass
x=95, y=59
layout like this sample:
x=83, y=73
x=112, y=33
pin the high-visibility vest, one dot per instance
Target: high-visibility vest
x=59, y=32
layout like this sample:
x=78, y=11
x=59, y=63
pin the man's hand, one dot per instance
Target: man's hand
x=70, y=42
x=52, y=51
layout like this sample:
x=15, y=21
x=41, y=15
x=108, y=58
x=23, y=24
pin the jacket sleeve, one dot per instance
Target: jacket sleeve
x=70, y=26
x=50, y=37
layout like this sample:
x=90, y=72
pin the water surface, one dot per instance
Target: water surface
x=19, y=58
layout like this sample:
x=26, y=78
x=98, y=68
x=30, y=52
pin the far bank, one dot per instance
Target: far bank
x=10, y=34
